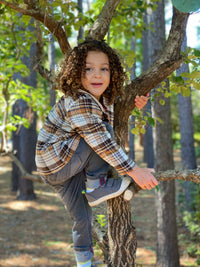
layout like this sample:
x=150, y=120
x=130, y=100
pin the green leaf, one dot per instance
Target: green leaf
x=151, y=121
x=135, y=131
x=179, y=79
x=192, y=75
x=142, y=131
x=159, y=120
x=195, y=74
x=185, y=91
x=162, y=102
x=197, y=52
x=157, y=188
x=167, y=94
x=196, y=85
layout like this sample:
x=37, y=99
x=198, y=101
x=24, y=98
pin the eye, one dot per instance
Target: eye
x=88, y=69
x=105, y=69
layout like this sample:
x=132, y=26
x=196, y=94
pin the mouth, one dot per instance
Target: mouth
x=96, y=84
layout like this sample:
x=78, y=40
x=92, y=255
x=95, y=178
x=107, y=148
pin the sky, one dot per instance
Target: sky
x=193, y=27
x=193, y=30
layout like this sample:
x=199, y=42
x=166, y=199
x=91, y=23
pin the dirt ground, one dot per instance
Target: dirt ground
x=38, y=233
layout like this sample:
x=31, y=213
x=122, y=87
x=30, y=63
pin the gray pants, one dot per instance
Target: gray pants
x=69, y=183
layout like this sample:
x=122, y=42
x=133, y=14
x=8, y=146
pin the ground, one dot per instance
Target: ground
x=38, y=233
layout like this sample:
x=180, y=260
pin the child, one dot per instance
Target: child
x=76, y=146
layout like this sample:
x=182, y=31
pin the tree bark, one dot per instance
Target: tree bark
x=26, y=138
x=101, y=25
x=51, y=58
x=187, y=135
x=167, y=244
x=146, y=62
x=121, y=233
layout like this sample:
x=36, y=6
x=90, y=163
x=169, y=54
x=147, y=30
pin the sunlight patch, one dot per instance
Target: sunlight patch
x=44, y=193
x=4, y=169
x=23, y=260
x=25, y=205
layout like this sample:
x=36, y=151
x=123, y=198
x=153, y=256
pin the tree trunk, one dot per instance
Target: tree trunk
x=51, y=58
x=26, y=153
x=148, y=141
x=187, y=131
x=147, y=61
x=24, y=140
x=167, y=246
x=131, y=137
x=15, y=175
x=121, y=232
x=80, y=11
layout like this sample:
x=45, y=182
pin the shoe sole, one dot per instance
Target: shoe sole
x=125, y=183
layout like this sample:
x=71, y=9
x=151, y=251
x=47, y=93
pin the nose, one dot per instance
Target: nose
x=97, y=73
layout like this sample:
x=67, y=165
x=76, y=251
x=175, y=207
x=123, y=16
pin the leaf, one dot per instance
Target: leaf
x=195, y=74
x=179, y=79
x=157, y=187
x=142, y=131
x=192, y=75
x=135, y=131
x=196, y=85
x=167, y=94
x=151, y=121
x=192, y=57
x=185, y=91
x=162, y=102
x=143, y=122
x=197, y=52
x=159, y=119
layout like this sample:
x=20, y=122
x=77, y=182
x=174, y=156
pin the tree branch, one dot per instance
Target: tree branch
x=25, y=174
x=184, y=175
x=54, y=26
x=101, y=25
x=168, y=61
x=45, y=73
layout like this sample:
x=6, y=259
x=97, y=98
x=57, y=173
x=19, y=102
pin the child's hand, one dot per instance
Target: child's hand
x=143, y=177
x=140, y=101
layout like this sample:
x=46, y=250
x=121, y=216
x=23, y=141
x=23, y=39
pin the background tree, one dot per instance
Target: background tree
x=187, y=132
x=24, y=139
x=167, y=245
x=146, y=62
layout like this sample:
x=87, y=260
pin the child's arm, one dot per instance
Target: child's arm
x=143, y=177
x=141, y=101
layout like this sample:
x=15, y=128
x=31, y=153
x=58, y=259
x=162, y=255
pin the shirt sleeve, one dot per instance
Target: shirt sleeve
x=85, y=118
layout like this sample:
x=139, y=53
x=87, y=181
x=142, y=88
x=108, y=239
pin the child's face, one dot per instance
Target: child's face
x=97, y=73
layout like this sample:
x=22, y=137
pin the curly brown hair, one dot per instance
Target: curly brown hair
x=69, y=78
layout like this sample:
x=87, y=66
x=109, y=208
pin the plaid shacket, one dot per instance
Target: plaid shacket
x=68, y=122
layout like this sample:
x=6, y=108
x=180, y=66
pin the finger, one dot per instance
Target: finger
x=141, y=98
x=154, y=182
x=148, y=187
x=139, y=101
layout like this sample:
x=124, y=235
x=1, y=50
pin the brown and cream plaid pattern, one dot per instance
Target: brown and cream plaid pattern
x=68, y=122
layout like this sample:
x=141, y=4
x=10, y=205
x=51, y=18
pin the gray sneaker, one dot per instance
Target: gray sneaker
x=112, y=188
